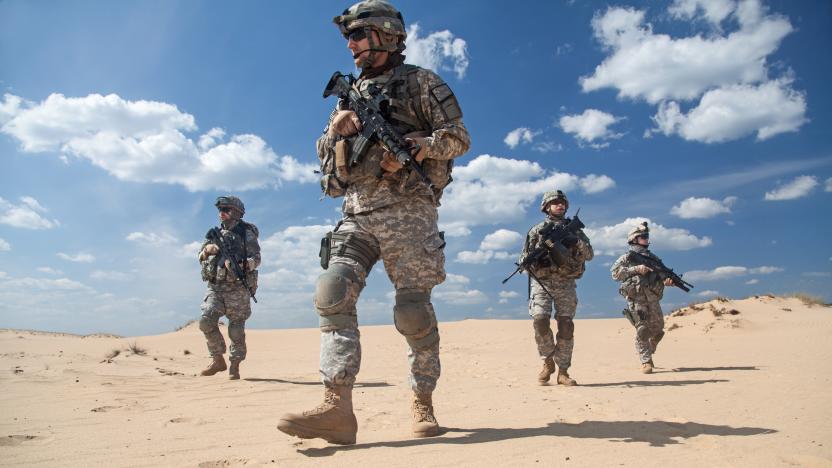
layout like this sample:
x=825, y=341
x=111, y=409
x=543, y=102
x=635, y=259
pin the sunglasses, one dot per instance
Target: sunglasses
x=225, y=209
x=356, y=35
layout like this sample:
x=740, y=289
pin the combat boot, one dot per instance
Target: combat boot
x=217, y=365
x=424, y=422
x=548, y=370
x=234, y=370
x=564, y=379
x=332, y=420
x=647, y=367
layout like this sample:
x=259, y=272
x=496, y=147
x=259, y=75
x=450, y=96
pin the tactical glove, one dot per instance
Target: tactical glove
x=642, y=269
x=208, y=250
x=344, y=123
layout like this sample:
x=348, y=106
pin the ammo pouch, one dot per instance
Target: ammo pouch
x=208, y=268
x=347, y=245
x=632, y=316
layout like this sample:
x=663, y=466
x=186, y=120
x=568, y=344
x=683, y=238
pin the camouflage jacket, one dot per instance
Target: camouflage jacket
x=634, y=286
x=579, y=254
x=242, y=237
x=419, y=102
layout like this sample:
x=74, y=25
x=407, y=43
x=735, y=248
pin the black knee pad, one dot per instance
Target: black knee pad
x=334, y=297
x=206, y=324
x=542, y=325
x=566, y=328
x=414, y=318
x=643, y=333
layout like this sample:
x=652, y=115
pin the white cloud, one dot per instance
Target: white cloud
x=501, y=239
x=28, y=215
x=103, y=275
x=456, y=279
x=708, y=293
x=481, y=256
x=590, y=126
x=657, y=67
x=827, y=185
x=702, y=208
x=287, y=254
x=438, y=51
x=520, y=135
x=735, y=111
x=727, y=272
x=491, y=190
x=152, y=238
x=4, y=246
x=77, y=258
x=144, y=141
x=752, y=281
x=714, y=11
x=610, y=240
x=43, y=284
x=50, y=271
x=797, y=188
x=547, y=147
x=506, y=295
x=189, y=250
x=457, y=297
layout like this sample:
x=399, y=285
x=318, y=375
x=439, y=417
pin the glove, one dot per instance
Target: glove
x=345, y=123
x=642, y=269
x=251, y=265
x=207, y=251
x=570, y=241
x=668, y=282
x=389, y=162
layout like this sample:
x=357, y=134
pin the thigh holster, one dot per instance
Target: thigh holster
x=336, y=244
x=414, y=317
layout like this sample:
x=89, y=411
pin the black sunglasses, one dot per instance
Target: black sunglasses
x=225, y=209
x=356, y=35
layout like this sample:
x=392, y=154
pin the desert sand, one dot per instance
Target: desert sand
x=738, y=383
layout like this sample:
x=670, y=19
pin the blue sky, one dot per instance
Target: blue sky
x=121, y=122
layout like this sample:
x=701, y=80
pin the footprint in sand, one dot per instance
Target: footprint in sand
x=17, y=439
x=224, y=463
x=168, y=372
x=104, y=409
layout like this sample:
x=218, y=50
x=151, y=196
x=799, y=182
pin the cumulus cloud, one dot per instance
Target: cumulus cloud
x=103, y=275
x=145, y=141
x=4, y=246
x=153, y=238
x=708, y=293
x=490, y=190
x=43, y=284
x=727, y=272
x=752, y=281
x=189, y=250
x=799, y=187
x=611, y=240
x=493, y=246
x=827, y=185
x=437, y=51
x=481, y=256
x=735, y=111
x=506, y=295
x=457, y=279
x=77, y=258
x=702, y=208
x=589, y=126
x=50, y=271
x=729, y=72
x=288, y=265
x=520, y=135
x=460, y=297
x=28, y=215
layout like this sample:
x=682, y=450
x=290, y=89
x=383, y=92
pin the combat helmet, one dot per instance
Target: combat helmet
x=551, y=196
x=638, y=231
x=231, y=201
x=377, y=15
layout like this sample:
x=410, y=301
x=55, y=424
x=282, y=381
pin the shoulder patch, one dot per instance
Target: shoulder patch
x=447, y=101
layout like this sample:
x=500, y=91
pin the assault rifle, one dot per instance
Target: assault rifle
x=660, y=269
x=375, y=128
x=215, y=236
x=554, y=244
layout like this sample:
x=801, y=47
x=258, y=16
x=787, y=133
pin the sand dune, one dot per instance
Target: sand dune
x=739, y=383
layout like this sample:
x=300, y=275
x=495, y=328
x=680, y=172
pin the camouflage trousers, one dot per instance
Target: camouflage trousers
x=234, y=303
x=649, y=328
x=540, y=308
x=411, y=248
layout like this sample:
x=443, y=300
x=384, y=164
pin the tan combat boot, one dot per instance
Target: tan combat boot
x=234, y=370
x=548, y=370
x=332, y=420
x=217, y=365
x=564, y=379
x=424, y=422
x=647, y=367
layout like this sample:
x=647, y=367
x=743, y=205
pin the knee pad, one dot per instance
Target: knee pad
x=236, y=331
x=414, y=318
x=542, y=325
x=206, y=324
x=566, y=328
x=658, y=336
x=336, y=293
x=642, y=332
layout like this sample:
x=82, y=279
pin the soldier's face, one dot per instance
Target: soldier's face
x=360, y=49
x=557, y=208
x=643, y=241
x=225, y=213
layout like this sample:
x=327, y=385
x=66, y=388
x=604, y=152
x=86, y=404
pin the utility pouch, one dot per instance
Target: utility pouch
x=325, y=252
x=342, y=154
x=630, y=317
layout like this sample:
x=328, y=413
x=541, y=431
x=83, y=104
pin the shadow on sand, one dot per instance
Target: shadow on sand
x=712, y=369
x=655, y=433
x=317, y=382
x=654, y=383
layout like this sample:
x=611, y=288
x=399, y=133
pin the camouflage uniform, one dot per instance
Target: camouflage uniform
x=394, y=216
x=226, y=295
x=643, y=293
x=560, y=282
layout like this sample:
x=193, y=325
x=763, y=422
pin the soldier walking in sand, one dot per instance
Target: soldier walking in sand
x=389, y=213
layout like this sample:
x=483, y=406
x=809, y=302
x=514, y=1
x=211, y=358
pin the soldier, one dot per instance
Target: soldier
x=226, y=294
x=643, y=292
x=388, y=213
x=555, y=284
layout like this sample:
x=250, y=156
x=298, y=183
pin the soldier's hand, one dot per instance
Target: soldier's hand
x=345, y=123
x=417, y=143
x=208, y=250
x=668, y=282
x=389, y=163
x=642, y=269
x=250, y=264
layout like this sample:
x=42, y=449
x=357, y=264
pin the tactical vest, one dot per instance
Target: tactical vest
x=213, y=269
x=405, y=113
